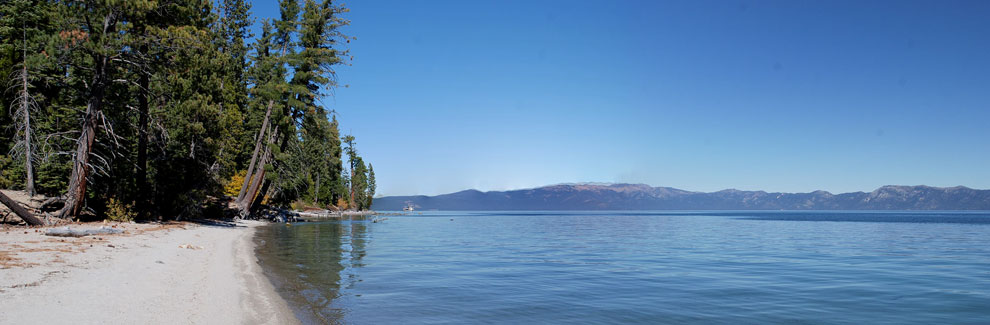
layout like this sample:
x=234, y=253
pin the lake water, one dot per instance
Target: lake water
x=636, y=267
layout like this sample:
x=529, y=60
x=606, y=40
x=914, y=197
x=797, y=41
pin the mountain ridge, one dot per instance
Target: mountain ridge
x=626, y=196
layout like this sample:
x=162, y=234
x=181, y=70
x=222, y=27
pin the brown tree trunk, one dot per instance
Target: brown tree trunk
x=20, y=211
x=247, y=202
x=141, y=177
x=246, y=185
x=76, y=193
x=254, y=156
x=141, y=171
x=352, y=203
x=316, y=195
x=263, y=191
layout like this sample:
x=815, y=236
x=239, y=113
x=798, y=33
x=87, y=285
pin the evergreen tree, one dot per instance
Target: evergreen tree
x=371, y=185
x=25, y=27
x=359, y=185
x=157, y=104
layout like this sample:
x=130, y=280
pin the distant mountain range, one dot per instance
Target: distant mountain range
x=644, y=197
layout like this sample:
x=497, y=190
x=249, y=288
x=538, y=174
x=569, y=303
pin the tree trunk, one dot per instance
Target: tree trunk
x=248, y=200
x=141, y=171
x=316, y=195
x=141, y=177
x=25, y=108
x=28, y=153
x=263, y=191
x=254, y=156
x=259, y=177
x=352, y=203
x=245, y=186
x=20, y=211
x=76, y=193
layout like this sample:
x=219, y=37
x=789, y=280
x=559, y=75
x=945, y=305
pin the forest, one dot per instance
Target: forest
x=172, y=109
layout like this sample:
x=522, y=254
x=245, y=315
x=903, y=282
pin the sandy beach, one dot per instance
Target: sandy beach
x=172, y=273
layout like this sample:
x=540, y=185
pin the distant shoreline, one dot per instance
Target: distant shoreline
x=172, y=273
x=618, y=197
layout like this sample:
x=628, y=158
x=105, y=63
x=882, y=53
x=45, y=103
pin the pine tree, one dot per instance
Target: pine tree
x=156, y=104
x=89, y=43
x=371, y=185
x=359, y=185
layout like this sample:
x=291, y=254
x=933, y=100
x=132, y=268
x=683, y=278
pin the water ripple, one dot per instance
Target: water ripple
x=637, y=267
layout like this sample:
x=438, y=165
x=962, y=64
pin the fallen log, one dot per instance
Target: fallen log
x=68, y=232
x=20, y=211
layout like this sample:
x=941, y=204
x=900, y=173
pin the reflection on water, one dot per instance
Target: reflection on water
x=703, y=267
x=311, y=262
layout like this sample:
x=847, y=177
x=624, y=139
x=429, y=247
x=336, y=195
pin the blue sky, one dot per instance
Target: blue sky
x=787, y=96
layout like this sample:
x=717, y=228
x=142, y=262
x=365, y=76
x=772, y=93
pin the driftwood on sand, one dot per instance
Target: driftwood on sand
x=21, y=211
x=69, y=232
x=326, y=214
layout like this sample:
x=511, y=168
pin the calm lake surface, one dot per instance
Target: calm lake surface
x=636, y=267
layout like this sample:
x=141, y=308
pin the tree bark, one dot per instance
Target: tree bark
x=76, y=193
x=25, y=105
x=259, y=177
x=316, y=195
x=248, y=201
x=20, y=211
x=28, y=153
x=245, y=186
x=141, y=170
x=264, y=189
x=254, y=156
x=141, y=177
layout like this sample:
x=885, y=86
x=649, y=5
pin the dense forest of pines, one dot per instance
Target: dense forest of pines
x=168, y=109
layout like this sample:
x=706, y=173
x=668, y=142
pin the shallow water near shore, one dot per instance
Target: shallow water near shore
x=636, y=267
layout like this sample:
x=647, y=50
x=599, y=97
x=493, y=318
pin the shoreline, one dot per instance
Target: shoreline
x=169, y=273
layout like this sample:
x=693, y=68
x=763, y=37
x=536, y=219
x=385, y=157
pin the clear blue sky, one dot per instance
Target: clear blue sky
x=699, y=95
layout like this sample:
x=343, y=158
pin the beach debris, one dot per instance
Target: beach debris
x=188, y=246
x=69, y=232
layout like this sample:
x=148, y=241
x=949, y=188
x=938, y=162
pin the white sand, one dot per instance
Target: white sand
x=139, y=277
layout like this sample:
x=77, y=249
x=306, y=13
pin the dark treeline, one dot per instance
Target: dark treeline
x=173, y=108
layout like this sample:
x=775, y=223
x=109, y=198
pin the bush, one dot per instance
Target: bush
x=118, y=211
x=233, y=186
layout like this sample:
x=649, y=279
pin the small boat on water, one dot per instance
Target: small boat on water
x=408, y=208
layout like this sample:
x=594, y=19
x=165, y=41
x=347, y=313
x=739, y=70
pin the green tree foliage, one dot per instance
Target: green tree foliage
x=360, y=181
x=26, y=27
x=371, y=185
x=359, y=185
x=306, y=156
x=162, y=102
